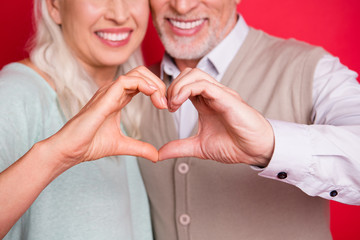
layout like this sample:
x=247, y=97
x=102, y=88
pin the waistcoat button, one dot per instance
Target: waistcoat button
x=183, y=168
x=184, y=219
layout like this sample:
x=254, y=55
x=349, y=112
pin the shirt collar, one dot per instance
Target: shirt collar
x=216, y=61
x=169, y=67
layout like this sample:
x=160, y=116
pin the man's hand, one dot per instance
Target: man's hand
x=230, y=131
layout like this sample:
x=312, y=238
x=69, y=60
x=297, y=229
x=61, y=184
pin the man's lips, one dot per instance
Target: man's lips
x=186, y=27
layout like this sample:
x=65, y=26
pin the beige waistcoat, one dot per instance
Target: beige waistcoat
x=231, y=201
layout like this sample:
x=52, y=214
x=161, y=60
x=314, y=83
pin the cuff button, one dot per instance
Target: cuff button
x=282, y=175
x=333, y=193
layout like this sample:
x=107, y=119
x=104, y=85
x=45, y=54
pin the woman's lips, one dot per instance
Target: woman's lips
x=114, y=37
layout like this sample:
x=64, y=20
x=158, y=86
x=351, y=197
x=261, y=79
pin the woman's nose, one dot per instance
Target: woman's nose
x=117, y=11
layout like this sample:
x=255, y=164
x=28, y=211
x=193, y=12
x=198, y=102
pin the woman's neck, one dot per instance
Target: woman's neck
x=102, y=75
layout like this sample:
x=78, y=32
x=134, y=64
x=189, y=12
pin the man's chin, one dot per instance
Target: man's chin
x=185, y=51
x=188, y=48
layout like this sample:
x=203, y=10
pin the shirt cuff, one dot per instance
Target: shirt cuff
x=293, y=163
x=292, y=153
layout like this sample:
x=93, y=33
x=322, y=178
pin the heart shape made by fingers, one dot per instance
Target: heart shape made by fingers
x=229, y=130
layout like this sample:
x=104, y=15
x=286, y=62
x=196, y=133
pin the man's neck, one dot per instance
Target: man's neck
x=185, y=63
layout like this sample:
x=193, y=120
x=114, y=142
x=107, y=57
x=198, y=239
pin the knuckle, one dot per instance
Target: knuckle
x=121, y=78
x=162, y=85
x=189, y=70
x=134, y=72
x=197, y=71
x=141, y=68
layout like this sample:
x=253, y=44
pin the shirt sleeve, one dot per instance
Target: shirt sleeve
x=322, y=159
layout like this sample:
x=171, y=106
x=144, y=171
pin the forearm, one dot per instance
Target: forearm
x=23, y=181
x=321, y=160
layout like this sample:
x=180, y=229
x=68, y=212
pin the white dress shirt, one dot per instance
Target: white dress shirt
x=321, y=159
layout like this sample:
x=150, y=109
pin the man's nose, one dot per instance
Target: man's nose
x=184, y=6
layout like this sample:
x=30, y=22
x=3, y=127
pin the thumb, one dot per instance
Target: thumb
x=179, y=148
x=138, y=148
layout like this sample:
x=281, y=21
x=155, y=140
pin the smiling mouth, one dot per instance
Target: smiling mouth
x=115, y=37
x=186, y=25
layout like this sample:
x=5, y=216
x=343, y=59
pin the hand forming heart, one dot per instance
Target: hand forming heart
x=95, y=131
x=229, y=130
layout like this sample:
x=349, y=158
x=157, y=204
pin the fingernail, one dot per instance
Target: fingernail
x=175, y=98
x=153, y=87
x=164, y=102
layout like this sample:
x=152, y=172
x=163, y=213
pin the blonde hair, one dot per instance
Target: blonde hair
x=50, y=54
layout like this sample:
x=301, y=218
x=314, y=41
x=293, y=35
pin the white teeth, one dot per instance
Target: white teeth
x=186, y=25
x=113, y=36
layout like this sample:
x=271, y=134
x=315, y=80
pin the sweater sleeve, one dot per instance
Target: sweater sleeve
x=24, y=107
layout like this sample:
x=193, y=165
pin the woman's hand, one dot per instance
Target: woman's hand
x=95, y=131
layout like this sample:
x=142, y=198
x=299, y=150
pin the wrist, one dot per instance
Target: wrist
x=51, y=162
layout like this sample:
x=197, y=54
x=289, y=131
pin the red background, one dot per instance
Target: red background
x=333, y=24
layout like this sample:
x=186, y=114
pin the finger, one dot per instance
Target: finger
x=115, y=96
x=183, y=73
x=138, y=148
x=203, y=88
x=149, y=76
x=132, y=85
x=179, y=148
x=188, y=76
x=176, y=80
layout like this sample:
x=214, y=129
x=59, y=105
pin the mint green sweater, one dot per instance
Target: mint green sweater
x=102, y=199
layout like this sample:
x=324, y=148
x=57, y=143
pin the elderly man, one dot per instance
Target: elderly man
x=288, y=109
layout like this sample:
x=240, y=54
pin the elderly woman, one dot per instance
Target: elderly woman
x=80, y=47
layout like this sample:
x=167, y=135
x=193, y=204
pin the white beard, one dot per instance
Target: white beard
x=189, y=48
x=182, y=47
